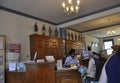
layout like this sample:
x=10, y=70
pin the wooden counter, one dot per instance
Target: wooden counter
x=40, y=73
x=15, y=77
x=68, y=76
x=84, y=62
x=43, y=73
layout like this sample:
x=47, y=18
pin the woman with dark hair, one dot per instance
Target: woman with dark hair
x=111, y=70
x=71, y=60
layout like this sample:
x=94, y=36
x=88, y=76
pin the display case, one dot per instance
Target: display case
x=46, y=45
x=74, y=44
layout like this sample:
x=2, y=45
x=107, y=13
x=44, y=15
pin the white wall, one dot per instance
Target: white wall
x=17, y=29
x=89, y=40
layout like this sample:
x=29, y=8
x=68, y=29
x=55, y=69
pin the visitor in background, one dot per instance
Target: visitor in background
x=90, y=51
x=95, y=66
x=111, y=70
x=99, y=63
x=91, y=70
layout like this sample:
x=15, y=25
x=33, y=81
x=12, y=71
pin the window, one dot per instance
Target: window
x=107, y=46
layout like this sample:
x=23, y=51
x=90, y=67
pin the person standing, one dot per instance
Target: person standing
x=111, y=70
x=99, y=63
x=91, y=71
x=94, y=68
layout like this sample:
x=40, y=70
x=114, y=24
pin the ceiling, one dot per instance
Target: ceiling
x=100, y=26
x=51, y=11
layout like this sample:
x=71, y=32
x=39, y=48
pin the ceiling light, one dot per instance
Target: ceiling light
x=111, y=32
x=119, y=39
x=71, y=6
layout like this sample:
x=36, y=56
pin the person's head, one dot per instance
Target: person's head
x=72, y=52
x=89, y=48
x=116, y=48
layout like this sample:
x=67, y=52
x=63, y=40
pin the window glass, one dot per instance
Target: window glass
x=109, y=51
x=107, y=46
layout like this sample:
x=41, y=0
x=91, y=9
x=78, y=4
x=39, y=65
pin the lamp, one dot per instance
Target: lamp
x=111, y=32
x=71, y=6
x=118, y=38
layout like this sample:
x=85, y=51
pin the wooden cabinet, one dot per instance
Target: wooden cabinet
x=70, y=79
x=45, y=45
x=35, y=73
x=72, y=76
x=43, y=73
x=15, y=77
x=40, y=73
x=74, y=44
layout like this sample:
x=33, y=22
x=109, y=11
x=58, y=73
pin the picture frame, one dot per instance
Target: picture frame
x=2, y=42
x=1, y=60
x=1, y=75
x=12, y=66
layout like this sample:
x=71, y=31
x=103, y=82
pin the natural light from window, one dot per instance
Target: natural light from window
x=108, y=45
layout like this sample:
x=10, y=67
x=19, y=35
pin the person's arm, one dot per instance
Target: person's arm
x=67, y=61
x=77, y=62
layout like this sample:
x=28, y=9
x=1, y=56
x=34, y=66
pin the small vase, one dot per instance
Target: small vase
x=35, y=27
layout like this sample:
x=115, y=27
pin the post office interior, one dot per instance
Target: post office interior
x=45, y=40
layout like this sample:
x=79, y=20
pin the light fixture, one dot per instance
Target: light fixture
x=71, y=6
x=111, y=32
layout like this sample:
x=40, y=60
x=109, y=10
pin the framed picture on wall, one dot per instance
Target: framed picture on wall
x=1, y=75
x=2, y=41
x=1, y=60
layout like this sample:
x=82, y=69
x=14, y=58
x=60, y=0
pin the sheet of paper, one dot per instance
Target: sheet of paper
x=12, y=66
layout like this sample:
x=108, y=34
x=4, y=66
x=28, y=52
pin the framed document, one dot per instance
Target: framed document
x=1, y=75
x=1, y=60
x=12, y=66
x=2, y=42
